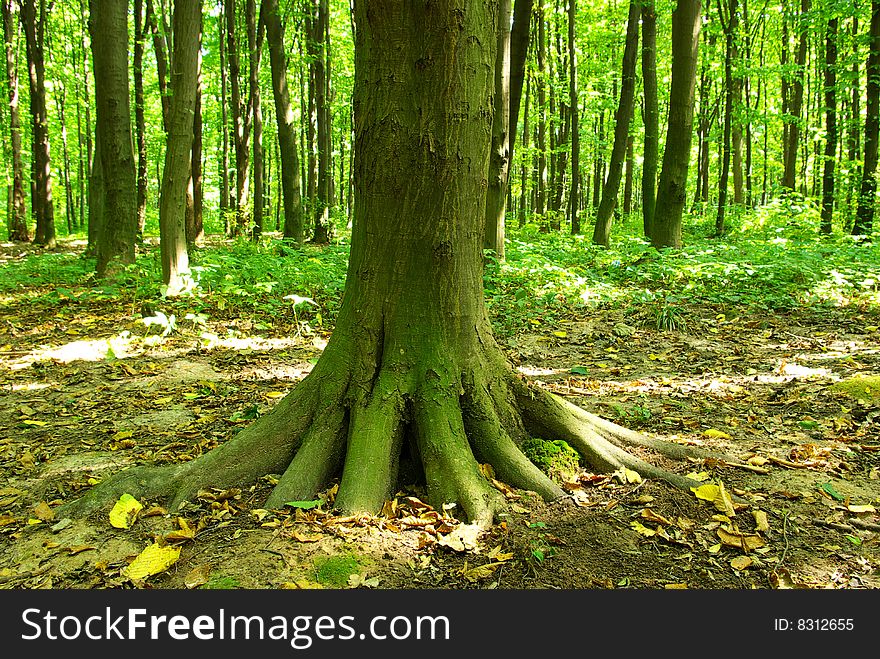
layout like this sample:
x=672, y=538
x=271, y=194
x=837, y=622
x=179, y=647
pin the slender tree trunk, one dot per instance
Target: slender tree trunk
x=139, y=118
x=830, y=124
x=323, y=231
x=574, y=197
x=672, y=185
x=178, y=150
x=622, y=118
x=524, y=167
x=194, y=221
x=730, y=35
x=651, y=116
x=17, y=219
x=541, y=123
x=290, y=173
x=499, y=162
x=855, y=119
x=159, y=46
x=255, y=41
x=864, y=222
x=795, y=108
x=41, y=199
x=241, y=121
x=628, y=177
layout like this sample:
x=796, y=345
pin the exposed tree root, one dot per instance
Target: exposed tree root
x=330, y=426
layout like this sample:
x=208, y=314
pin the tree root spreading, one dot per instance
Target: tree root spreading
x=327, y=427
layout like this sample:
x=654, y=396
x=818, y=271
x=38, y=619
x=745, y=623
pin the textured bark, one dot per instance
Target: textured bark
x=412, y=373
x=651, y=116
x=541, y=119
x=161, y=50
x=241, y=124
x=830, y=124
x=864, y=222
x=108, y=26
x=729, y=26
x=17, y=222
x=320, y=43
x=178, y=149
x=574, y=197
x=499, y=161
x=672, y=185
x=42, y=207
x=795, y=102
x=140, y=128
x=622, y=118
x=290, y=174
x=255, y=42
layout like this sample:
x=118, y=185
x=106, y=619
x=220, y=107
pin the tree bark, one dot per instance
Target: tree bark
x=574, y=197
x=864, y=222
x=255, y=41
x=499, y=162
x=730, y=27
x=830, y=124
x=320, y=41
x=108, y=26
x=622, y=118
x=241, y=123
x=290, y=173
x=17, y=221
x=651, y=116
x=178, y=149
x=139, y=118
x=672, y=185
x=42, y=207
x=795, y=105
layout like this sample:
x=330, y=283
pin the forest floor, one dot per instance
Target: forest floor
x=89, y=388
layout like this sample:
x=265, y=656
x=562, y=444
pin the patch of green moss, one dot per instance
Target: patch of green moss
x=221, y=582
x=862, y=386
x=554, y=458
x=334, y=571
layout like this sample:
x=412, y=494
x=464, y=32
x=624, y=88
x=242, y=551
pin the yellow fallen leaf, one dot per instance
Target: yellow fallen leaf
x=73, y=551
x=561, y=334
x=480, y=572
x=301, y=584
x=641, y=529
x=497, y=555
x=651, y=516
x=274, y=394
x=675, y=586
x=858, y=510
x=740, y=563
x=152, y=560
x=762, y=524
x=716, y=434
x=123, y=434
x=717, y=495
x=32, y=422
x=758, y=460
x=744, y=541
x=125, y=511
x=6, y=519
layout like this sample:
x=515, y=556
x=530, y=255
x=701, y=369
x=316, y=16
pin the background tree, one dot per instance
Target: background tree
x=868, y=193
x=830, y=124
x=108, y=26
x=17, y=221
x=176, y=172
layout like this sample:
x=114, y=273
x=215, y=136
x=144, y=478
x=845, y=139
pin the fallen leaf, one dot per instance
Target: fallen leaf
x=717, y=495
x=497, y=555
x=651, y=516
x=860, y=510
x=479, y=572
x=43, y=512
x=744, y=541
x=197, y=576
x=761, y=522
x=6, y=520
x=125, y=511
x=306, y=537
x=716, y=434
x=152, y=560
x=641, y=529
x=675, y=586
x=301, y=584
x=73, y=551
x=740, y=563
x=359, y=581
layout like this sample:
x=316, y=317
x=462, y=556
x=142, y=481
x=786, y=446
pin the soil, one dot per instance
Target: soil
x=89, y=388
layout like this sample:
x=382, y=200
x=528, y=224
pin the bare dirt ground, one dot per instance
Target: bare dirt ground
x=88, y=389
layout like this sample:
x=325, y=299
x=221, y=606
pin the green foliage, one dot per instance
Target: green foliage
x=539, y=546
x=334, y=571
x=555, y=458
x=221, y=582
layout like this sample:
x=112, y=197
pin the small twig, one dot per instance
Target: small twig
x=784, y=537
x=865, y=525
x=25, y=575
x=743, y=465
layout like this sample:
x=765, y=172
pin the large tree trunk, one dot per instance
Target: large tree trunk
x=622, y=118
x=830, y=124
x=499, y=162
x=108, y=26
x=17, y=221
x=651, y=116
x=412, y=372
x=178, y=149
x=864, y=222
x=41, y=198
x=290, y=174
x=672, y=186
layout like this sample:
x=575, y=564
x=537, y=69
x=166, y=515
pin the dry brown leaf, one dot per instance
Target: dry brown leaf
x=43, y=512
x=480, y=572
x=762, y=524
x=73, y=551
x=745, y=541
x=740, y=563
x=197, y=576
x=301, y=536
x=651, y=516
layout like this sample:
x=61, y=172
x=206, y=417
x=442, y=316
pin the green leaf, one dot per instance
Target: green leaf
x=579, y=370
x=304, y=505
x=830, y=491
